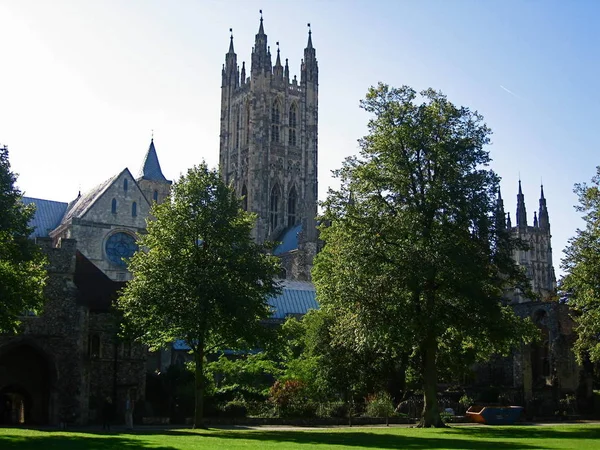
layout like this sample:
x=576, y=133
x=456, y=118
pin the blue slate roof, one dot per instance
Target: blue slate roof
x=48, y=215
x=297, y=297
x=151, y=167
x=289, y=241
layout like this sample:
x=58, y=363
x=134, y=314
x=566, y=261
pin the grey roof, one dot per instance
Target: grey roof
x=289, y=240
x=151, y=167
x=79, y=206
x=48, y=215
x=297, y=297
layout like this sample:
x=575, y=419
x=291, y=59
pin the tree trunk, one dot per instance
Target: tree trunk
x=430, y=416
x=199, y=409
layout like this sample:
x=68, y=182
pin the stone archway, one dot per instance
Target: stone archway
x=26, y=381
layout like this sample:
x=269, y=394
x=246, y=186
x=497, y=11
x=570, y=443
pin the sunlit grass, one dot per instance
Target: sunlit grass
x=458, y=437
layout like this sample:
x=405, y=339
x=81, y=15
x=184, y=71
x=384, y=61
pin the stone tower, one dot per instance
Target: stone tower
x=537, y=260
x=268, y=140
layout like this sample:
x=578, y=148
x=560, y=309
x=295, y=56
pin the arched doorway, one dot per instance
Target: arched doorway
x=26, y=378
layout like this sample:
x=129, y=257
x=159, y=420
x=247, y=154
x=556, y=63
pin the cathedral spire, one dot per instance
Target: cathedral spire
x=231, y=51
x=278, y=61
x=508, y=222
x=261, y=30
x=261, y=58
x=521, y=211
x=500, y=215
x=535, y=219
x=544, y=220
x=309, y=71
x=151, y=167
x=309, y=45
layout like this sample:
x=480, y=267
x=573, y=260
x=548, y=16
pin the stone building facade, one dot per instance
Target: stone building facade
x=66, y=362
x=543, y=372
x=268, y=147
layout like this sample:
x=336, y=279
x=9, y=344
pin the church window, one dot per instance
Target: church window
x=155, y=196
x=119, y=247
x=292, y=125
x=94, y=346
x=238, y=126
x=113, y=207
x=274, y=207
x=125, y=185
x=244, y=198
x=247, y=123
x=134, y=209
x=275, y=121
x=291, y=207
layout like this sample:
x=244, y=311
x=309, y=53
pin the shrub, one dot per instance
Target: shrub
x=465, y=402
x=333, y=409
x=290, y=399
x=379, y=405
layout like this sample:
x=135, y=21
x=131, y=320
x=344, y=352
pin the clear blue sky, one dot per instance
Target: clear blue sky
x=83, y=83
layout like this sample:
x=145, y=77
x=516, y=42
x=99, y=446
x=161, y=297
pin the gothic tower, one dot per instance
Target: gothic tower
x=537, y=259
x=268, y=139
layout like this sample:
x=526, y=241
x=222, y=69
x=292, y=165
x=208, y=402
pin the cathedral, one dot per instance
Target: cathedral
x=70, y=358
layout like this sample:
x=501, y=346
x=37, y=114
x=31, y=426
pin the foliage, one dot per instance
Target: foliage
x=465, y=402
x=291, y=399
x=581, y=263
x=379, y=405
x=414, y=255
x=22, y=271
x=201, y=277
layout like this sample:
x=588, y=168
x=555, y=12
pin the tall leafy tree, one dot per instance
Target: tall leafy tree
x=581, y=264
x=201, y=277
x=413, y=254
x=22, y=271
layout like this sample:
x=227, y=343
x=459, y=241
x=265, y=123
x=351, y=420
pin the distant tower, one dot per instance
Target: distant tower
x=268, y=140
x=151, y=180
x=537, y=260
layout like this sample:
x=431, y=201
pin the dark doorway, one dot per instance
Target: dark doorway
x=25, y=381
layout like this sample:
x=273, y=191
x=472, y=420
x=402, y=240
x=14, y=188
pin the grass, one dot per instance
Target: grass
x=472, y=437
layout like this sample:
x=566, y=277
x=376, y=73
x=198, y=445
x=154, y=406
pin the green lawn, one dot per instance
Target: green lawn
x=514, y=437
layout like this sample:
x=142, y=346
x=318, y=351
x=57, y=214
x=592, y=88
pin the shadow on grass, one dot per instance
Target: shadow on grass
x=73, y=441
x=530, y=432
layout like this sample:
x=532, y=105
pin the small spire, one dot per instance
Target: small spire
x=499, y=194
x=520, y=191
x=309, y=45
x=508, y=222
x=261, y=30
x=542, y=192
x=535, y=219
x=231, y=41
x=278, y=61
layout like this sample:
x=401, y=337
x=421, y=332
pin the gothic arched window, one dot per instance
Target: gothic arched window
x=293, y=121
x=238, y=126
x=247, y=123
x=275, y=121
x=244, y=198
x=134, y=209
x=125, y=185
x=113, y=206
x=274, y=207
x=291, y=207
x=155, y=196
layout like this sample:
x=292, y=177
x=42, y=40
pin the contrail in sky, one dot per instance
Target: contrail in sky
x=509, y=91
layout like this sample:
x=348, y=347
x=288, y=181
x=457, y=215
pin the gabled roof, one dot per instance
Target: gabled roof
x=48, y=215
x=79, y=206
x=289, y=240
x=151, y=167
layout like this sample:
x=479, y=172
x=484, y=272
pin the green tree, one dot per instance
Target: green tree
x=201, y=277
x=581, y=283
x=22, y=271
x=413, y=252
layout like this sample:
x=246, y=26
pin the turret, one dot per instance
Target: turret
x=278, y=68
x=261, y=54
x=309, y=71
x=230, y=72
x=500, y=215
x=521, y=211
x=544, y=220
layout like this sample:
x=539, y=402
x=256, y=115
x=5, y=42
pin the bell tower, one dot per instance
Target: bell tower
x=268, y=138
